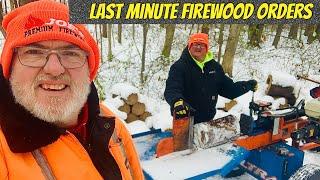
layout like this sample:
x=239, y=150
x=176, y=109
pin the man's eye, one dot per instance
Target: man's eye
x=34, y=51
x=70, y=53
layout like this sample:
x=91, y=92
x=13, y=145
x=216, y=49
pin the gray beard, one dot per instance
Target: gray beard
x=61, y=111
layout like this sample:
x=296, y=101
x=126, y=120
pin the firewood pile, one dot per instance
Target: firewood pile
x=134, y=109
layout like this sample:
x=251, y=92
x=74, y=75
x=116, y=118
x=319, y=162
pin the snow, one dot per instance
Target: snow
x=283, y=79
x=138, y=126
x=123, y=90
x=177, y=166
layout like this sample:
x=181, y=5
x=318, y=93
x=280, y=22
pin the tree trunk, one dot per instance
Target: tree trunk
x=318, y=31
x=23, y=2
x=309, y=30
x=105, y=30
x=220, y=42
x=293, y=33
x=198, y=28
x=101, y=42
x=255, y=33
x=170, y=28
x=234, y=34
x=277, y=37
x=205, y=28
x=14, y=4
x=1, y=19
x=191, y=29
x=109, y=42
x=133, y=31
x=143, y=58
x=119, y=33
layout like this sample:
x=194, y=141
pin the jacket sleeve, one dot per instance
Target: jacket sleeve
x=3, y=167
x=174, y=84
x=230, y=89
x=124, y=150
x=130, y=150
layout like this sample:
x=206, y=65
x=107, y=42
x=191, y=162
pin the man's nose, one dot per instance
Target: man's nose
x=53, y=65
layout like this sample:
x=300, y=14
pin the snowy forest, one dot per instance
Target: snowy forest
x=136, y=58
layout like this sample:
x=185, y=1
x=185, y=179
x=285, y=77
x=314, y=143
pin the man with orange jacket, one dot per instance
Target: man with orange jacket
x=52, y=126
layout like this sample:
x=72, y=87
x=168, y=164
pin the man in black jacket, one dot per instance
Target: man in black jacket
x=196, y=80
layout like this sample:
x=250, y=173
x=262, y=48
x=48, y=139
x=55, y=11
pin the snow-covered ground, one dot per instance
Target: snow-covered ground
x=291, y=58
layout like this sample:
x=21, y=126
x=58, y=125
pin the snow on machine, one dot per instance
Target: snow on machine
x=262, y=150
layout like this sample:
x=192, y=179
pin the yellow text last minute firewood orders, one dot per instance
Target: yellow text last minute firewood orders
x=201, y=11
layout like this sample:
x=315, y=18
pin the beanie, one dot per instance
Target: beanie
x=199, y=38
x=45, y=20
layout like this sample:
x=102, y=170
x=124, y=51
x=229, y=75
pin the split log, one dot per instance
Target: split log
x=138, y=108
x=125, y=108
x=132, y=99
x=131, y=117
x=144, y=115
x=229, y=105
x=208, y=134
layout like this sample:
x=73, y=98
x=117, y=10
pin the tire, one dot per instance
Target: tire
x=307, y=172
x=235, y=173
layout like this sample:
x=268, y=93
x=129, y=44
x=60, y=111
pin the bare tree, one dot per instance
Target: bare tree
x=119, y=33
x=109, y=42
x=255, y=33
x=15, y=3
x=205, y=28
x=293, y=33
x=23, y=2
x=191, y=29
x=232, y=43
x=220, y=41
x=170, y=28
x=1, y=19
x=105, y=30
x=318, y=31
x=309, y=30
x=278, y=35
x=143, y=56
x=133, y=31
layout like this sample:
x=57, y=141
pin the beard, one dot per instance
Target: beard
x=59, y=110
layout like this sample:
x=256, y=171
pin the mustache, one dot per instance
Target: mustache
x=43, y=77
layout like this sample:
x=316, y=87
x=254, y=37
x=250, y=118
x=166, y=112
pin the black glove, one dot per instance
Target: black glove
x=181, y=109
x=315, y=92
x=252, y=85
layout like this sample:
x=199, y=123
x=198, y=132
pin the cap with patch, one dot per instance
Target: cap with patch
x=45, y=20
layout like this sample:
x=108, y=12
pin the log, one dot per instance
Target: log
x=286, y=92
x=229, y=105
x=208, y=134
x=277, y=91
x=132, y=99
x=138, y=108
x=131, y=117
x=144, y=115
x=125, y=108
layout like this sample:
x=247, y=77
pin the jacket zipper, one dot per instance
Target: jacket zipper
x=44, y=165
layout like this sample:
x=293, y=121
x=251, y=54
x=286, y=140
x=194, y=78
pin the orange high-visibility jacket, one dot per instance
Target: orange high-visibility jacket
x=67, y=159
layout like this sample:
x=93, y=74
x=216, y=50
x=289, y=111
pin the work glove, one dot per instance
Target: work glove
x=315, y=92
x=252, y=85
x=181, y=109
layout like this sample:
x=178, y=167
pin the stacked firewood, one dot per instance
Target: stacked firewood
x=134, y=109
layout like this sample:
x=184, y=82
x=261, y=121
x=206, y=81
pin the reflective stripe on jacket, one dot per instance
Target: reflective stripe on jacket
x=66, y=158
